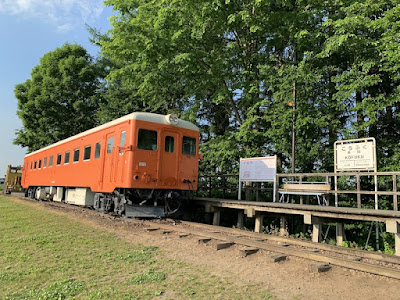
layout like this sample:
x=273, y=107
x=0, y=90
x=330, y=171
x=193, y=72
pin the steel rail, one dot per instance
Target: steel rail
x=302, y=253
x=385, y=258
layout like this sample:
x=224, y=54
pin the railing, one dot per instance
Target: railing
x=226, y=186
x=353, y=183
x=380, y=189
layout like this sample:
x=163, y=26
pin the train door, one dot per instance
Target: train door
x=169, y=162
x=109, y=160
x=121, y=157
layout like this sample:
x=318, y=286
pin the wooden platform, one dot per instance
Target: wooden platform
x=331, y=212
x=314, y=215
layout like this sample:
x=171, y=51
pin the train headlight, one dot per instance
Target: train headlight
x=172, y=119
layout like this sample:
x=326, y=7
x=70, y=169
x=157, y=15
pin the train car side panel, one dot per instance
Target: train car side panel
x=138, y=151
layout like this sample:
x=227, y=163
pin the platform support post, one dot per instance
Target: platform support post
x=240, y=219
x=394, y=227
x=316, y=233
x=283, y=227
x=339, y=234
x=208, y=212
x=397, y=243
x=216, y=217
x=317, y=226
x=259, y=223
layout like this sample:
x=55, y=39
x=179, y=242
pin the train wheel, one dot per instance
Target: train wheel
x=97, y=201
x=172, y=203
x=31, y=193
x=103, y=202
x=119, y=203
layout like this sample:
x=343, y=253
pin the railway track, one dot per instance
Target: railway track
x=374, y=263
x=360, y=260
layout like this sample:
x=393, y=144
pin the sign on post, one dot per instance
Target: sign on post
x=257, y=169
x=355, y=155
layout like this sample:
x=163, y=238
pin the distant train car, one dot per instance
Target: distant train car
x=12, y=181
x=137, y=165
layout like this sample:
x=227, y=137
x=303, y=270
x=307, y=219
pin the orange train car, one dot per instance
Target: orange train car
x=137, y=165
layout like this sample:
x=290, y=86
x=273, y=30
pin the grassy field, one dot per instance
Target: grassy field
x=48, y=256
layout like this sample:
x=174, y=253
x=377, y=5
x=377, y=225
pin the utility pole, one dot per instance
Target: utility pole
x=294, y=115
x=294, y=129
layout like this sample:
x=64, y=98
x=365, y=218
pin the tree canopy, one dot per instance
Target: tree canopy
x=237, y=67
x=60, y=100
x=242, y=70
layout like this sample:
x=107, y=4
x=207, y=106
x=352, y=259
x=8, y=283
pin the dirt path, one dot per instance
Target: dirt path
x=286, y=280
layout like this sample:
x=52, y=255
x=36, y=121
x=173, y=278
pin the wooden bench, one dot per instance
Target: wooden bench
x=305, y=189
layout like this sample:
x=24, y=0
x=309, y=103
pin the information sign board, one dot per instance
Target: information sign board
x=258, y=169
x=355, y=155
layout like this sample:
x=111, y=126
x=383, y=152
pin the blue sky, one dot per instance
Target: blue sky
x=28, y=30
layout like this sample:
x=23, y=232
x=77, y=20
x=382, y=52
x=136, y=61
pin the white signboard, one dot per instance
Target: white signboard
x=258, y=169
x=352, y=155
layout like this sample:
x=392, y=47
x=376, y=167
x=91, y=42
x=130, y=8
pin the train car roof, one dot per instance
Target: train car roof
x=141, y=116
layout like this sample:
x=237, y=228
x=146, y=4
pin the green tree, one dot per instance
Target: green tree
x=227, y=64
x=61, y=98
x=235, y=66
x=366, y=38
x=120, y=97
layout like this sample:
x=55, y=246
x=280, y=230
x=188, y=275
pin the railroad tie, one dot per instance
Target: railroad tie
x=203, y=241
x=151, y=229
x=248, y=251
x=276, y=258
x=319, y=267
x=220, y=246
x=183, y=235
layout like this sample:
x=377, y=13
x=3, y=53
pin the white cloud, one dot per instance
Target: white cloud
x=65, y=27
x=62, y=13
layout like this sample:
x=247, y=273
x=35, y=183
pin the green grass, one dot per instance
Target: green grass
x=48, y=256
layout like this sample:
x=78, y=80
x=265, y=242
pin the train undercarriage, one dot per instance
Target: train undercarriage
x=124, y=202
x=139, y=202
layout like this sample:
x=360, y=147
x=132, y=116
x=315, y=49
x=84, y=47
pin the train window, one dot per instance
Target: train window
x=40, y=164
x=76, y=155
x=122, y=141
x=169, y=144
x=147, y=139
x=66, y=157
x=189, y=145
x=86, y=153
x=110, y=144
x=51, y=161
x=58, y=159
x=34, y=166
x=45, y=162
x=31, y=165
x=97, y=150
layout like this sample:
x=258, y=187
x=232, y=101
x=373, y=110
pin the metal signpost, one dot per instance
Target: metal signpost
x=357, y=155
x=257, y=169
